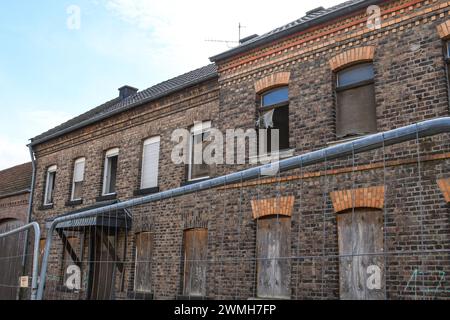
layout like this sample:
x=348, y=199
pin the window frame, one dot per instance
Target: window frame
x=149, y=141
x=263, y=109
x=340, y=89
x=111, y=153
x=50, y=171
x=204, y=126
x=77, y=161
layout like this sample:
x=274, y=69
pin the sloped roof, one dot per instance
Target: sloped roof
x=116, y=105
x=312, y=18
x=15, y=180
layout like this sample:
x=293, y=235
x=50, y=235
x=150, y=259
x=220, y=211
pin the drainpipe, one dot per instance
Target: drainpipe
x=30, y=211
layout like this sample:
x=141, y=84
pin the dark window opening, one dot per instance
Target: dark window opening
x=273, y=114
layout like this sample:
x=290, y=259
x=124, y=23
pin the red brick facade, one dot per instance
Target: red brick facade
x=410, y=86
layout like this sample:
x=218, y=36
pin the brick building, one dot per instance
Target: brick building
x=326, y=78
x=15, y=187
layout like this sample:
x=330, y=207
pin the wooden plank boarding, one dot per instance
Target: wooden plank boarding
x=195, y=255
x=274, y=241
x=361, y=277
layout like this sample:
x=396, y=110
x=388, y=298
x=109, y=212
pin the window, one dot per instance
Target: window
x=143, y=266
x=361, y=234
x=78, y=178
x=356, y=109
x=274, y=114
x=197, y=144
x=69, y=246
x=273, y=243
x=195, y=255
x=50, y=185
x=150, y=163
x=110, y=174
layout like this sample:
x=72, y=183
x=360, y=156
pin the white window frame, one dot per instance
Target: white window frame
x=78, y=161
x=147, y=142
x=109, y=154
x=50, y=170
x=198, y=128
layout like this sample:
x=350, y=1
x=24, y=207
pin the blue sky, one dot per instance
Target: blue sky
x=50, y=72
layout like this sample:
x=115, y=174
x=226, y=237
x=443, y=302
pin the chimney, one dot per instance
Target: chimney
x=126, y=91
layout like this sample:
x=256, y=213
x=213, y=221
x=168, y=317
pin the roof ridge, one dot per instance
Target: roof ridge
x=116, y=105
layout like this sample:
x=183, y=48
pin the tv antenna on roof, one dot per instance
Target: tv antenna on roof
x=230, y=43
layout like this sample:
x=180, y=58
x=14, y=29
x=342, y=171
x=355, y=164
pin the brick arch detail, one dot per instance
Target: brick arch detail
x=444, y=185
x=351, y=57
x=272, y=81
x=372, y=197
x=444, y=30
x=275, y=206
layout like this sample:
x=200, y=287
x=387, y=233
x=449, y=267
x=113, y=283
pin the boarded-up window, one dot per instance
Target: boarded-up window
x=69, y=247
x=273, y=247
x=143, y=269
x=356, y=108
x=361, y=274
x=41, y=250
x=195, y=264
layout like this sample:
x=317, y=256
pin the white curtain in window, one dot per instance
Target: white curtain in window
x=150, y=163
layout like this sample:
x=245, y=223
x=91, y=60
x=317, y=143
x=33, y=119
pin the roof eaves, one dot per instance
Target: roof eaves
x=268, y=38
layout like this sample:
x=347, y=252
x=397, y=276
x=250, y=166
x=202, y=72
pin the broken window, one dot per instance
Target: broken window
x=273, y=247
x=361, y=271
x=50, y=185
x=110, y=174
x=274, y=114
x=78, y=178
x=197, y=168
x=356, y=109
x=195, y=264
x=143, y=262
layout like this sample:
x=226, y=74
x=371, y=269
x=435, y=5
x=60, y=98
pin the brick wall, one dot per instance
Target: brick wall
x=410, y=86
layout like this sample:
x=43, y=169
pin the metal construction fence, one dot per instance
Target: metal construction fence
x=19, y=257
x=364, y=219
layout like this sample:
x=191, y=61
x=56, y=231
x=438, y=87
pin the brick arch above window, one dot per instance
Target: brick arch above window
x=275, y=206
x=351, y=57
x=444, y=185
x=444, y=30
x=274, y=80
x=372, y=197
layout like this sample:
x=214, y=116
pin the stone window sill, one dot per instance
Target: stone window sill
x=106, y=197
x=143, y=192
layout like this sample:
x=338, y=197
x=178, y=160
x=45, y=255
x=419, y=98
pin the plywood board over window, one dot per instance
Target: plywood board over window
x=273, y=246
x=361, y=273
x=195, y=262
x=143, y=266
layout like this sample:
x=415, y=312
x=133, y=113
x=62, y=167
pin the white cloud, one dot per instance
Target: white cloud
x=177, y=29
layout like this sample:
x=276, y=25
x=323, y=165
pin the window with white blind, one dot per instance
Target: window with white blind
x=198, y=141
x=110, y=173
x=78, y=178
x=50, y=185
x=150, y=163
